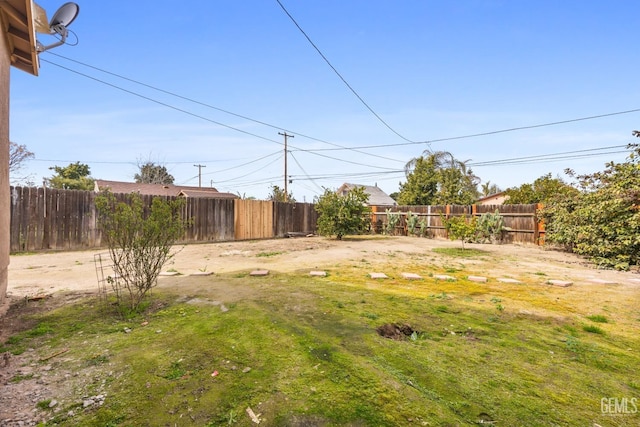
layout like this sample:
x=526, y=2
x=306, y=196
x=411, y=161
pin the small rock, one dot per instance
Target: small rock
x=508, y=280
x=53, y=403
x=318, y=273
x=259, y=273
x=560, y=283
x=378, y=276
x=127, y=330
x=245, y=370
x=87, y=402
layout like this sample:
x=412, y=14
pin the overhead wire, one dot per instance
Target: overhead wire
x=222, y=110
x=305, y=172
x=533, y=159
x=380, y=119
x=551, y=155
x=164, y=104
x=204, y=118
x=250, y=173
x=337, y=147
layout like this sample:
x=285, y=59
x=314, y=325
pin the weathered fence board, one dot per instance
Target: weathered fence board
x=44, y=218
x=293, y=218
x=521, y=222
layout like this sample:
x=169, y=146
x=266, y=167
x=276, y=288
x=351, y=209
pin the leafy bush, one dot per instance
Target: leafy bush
x=139, y=243
x=339, y=215
x=461, y=228
x=603, y=220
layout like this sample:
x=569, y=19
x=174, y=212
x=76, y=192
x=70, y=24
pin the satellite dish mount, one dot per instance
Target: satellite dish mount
x=63, y=17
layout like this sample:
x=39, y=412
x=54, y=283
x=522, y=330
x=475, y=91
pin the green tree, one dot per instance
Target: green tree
x=139, y=244
x=340, y=215
x=75, y=176
x=487, y=189
x=543, y=190
x=422, y=182
x=602, y=221
x=278, y=195
x=458, y=186
x=150, y=173
x=438, y=178
x=460, y=228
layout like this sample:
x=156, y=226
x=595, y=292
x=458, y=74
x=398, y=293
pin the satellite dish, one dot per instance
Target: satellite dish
x=63, y=17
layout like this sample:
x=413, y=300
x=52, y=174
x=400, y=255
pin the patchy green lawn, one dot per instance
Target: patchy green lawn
x=302, y=351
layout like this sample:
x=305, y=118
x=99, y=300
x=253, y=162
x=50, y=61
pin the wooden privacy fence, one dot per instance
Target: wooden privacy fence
x=44, y=218
x=521, y=221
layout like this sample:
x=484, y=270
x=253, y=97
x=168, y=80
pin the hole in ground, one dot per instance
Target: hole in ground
x=395, y=331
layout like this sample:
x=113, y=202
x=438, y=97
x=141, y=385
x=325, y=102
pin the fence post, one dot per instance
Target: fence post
x=538, y=226
x=447, y=214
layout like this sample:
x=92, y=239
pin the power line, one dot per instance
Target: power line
x=337, y=146
x=305, y=172
x=155, y=101
x=203, y=104
x=342, y=78
x=547, y=160
x=543, y=156
x=250, y=173
x=202, y=117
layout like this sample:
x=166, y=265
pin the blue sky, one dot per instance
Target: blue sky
x=431, y=70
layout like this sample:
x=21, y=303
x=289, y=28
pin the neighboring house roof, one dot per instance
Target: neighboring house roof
x=161, y=190
x=493, y=199
x=377, y=197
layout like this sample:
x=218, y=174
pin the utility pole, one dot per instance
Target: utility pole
x=200, y=174
x=286, y=178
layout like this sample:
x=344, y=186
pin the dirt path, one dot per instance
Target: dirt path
x=47, y=273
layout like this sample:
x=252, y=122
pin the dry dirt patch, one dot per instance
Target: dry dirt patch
x=52, y=273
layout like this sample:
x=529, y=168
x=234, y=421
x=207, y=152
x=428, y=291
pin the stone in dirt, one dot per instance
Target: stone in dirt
x=507, y=280
x=411, y=276
x=378, y=276
x=201, y=273
x=478, y=279
x=259, y=273
x=169, y=273
x=318, y=273
x=560, y=283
